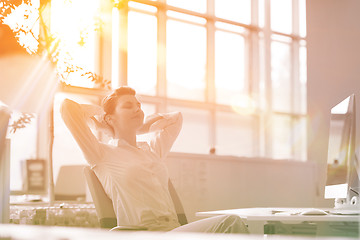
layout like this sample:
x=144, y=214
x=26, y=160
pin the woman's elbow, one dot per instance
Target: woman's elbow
x=178, y=123
x=68, y=106
x=179, y=118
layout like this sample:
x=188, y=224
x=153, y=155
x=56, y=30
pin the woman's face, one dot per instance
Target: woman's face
x=127, y=113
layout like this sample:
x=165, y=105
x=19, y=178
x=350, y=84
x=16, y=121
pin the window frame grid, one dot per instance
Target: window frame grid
x=262, y=135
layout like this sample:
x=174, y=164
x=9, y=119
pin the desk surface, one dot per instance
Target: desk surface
x=280, y=214
x=26, y=232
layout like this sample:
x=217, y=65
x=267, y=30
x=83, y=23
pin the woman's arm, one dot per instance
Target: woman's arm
x=91, y=110
x=76, y=120
x=166, y=128
x=149, y=121
x=93, y=115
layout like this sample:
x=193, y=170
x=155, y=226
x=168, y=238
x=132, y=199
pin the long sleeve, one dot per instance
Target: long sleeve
x=166, y=131
x=74, y=118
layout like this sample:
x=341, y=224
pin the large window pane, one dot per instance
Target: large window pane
x=194, y=135
x=289, y=137
x=142, y=56
x=303, y=79
x=261, y=12
x=196, y=6
x=22, y=147
x=234, y=134
x=185, y=60
x=281, y=137
x=75, y=29
x=281, y=16
x=229, y=66
x=263, y=88
x=302, y=10
x=300, y=139
x=235, y=10
x=281, y=76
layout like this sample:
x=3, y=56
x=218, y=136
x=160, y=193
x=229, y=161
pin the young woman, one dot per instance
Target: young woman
x=134, y=174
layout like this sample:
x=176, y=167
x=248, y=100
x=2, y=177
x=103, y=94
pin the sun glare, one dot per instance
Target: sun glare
x=74, y=24
x=28, y=83
x=243, y=104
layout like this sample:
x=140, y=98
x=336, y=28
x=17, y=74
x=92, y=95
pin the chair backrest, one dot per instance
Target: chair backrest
x=103, y=204
x=178, y=205
x=104, y=207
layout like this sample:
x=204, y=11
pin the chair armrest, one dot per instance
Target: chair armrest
x=128, y=228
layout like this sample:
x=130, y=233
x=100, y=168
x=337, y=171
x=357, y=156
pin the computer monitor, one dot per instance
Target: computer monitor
x=342, y=164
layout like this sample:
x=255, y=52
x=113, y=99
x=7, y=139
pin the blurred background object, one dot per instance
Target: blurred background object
x=70, y=183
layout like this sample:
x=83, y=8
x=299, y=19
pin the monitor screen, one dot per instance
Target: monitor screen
x=341, y=149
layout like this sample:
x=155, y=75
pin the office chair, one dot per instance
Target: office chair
x=104, y=207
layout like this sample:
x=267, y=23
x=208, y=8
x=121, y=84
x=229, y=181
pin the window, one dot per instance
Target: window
x=23, y=19
x=142, y=54
x=76, y=40
x=281, y=75
x=23, y=146
x=234, y=10
x=235, y=135
x=235, y=69
x=194, y=121
x=185, y=59
x=75, y=37
x=230, y=66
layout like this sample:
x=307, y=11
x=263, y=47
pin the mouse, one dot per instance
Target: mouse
x=313, y=211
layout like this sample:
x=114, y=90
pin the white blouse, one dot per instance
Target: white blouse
x=135, y=178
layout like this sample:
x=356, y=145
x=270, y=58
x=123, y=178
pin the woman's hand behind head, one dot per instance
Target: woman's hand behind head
x=102, y=127
x=150, y=120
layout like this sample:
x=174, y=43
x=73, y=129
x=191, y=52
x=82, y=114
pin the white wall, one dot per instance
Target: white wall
x=333, y=43
x=206, y=183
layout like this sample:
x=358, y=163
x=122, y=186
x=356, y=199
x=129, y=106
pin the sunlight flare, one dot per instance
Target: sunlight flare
x=28, y=83
x=243, y=104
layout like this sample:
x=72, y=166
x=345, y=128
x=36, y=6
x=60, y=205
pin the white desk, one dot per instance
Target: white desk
x=31, y=232
x=256, y=218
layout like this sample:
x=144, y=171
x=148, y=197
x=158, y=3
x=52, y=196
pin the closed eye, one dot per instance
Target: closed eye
x=127, y=105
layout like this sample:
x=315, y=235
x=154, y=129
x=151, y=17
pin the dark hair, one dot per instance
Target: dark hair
x=9, y=44
x=110, y=101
